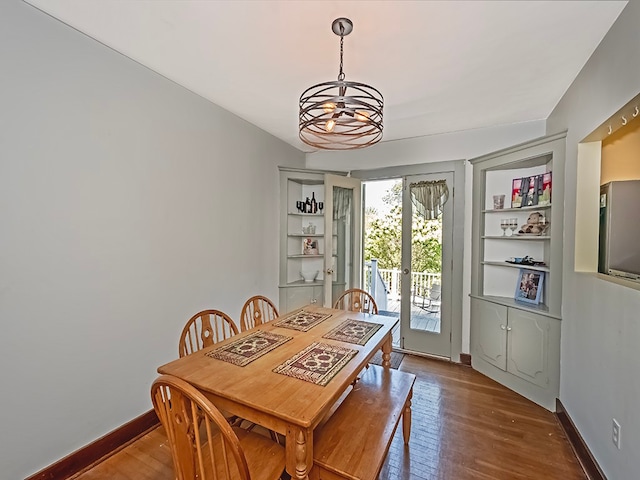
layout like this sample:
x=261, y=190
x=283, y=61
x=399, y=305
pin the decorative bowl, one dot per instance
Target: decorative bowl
x=309, y=276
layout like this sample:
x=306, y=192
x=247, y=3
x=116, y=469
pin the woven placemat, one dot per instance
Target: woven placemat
x=246, y=349
x=353, y=331
x=318, y=363
x=302, y=320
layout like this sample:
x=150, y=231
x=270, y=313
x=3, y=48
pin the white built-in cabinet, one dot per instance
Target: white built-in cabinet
x=513, y=342
x=336, y=237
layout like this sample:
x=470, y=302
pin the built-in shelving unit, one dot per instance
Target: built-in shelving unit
x=517, y=342
x=332, y=239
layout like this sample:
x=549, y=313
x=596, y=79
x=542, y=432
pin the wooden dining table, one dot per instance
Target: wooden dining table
x=291, y=406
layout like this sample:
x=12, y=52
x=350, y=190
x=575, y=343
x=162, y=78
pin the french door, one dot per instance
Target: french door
x=343, y=251
x=425, y=310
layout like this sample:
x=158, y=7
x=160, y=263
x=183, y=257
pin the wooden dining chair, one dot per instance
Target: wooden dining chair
x=204, y=329
x=257, y=310
x=203, y=445
x=356, y=300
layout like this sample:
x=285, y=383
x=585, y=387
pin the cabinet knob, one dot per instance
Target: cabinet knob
x=508, y=329
x=405, y=271
x=329, y=271
x=503, y=327
x=315, y=300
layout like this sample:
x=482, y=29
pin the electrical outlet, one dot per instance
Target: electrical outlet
x=616, y=433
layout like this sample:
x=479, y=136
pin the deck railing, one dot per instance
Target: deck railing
x=421, y=282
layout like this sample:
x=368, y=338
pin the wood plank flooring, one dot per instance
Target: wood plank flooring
x=465, y=426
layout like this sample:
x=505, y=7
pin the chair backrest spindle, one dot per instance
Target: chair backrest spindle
x=256, y=311
x=203, y=445
x=356, y=300
x=205, y=329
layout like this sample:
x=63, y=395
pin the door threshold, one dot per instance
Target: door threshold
x=421, y=354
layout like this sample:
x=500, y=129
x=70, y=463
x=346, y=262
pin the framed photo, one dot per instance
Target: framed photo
x=545, y=189
x=310, y=246
x=529, y=286
x=516, y=193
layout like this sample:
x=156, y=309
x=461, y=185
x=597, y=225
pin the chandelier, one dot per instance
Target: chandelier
x=341, y=115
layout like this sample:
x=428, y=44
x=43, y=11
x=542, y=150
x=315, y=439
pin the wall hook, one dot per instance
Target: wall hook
x=610, y=130
x=635, y=112
x=624, y=120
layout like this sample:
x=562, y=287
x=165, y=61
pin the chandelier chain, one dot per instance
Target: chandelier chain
x=341, y=74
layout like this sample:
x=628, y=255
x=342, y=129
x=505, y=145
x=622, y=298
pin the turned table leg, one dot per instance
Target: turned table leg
x=386, y=352
x=299, y=453
x=406, y=418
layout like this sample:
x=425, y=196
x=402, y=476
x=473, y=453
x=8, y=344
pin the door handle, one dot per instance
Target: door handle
x=503, y=327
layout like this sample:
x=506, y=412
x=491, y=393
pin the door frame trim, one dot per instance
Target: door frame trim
x=458, y=167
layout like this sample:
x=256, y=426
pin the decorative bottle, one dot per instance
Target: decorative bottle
x=314, y=204
x=307, y=206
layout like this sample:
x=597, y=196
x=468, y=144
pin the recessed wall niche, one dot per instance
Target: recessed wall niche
x=621, y=154
x=611, y=152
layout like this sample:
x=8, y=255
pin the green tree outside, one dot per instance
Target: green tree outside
x=383, y=237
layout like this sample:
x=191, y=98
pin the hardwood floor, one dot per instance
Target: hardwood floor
x=465, y=426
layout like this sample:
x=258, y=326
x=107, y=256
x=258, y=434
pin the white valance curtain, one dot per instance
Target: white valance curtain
x=428, y=197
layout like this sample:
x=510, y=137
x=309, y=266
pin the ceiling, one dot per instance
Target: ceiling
x=442, y=66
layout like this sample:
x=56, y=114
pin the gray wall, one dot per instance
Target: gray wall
x=127, y=204
x=600, y=364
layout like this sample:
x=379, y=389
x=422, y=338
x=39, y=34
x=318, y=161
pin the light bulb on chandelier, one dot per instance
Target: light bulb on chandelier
x=330, y=125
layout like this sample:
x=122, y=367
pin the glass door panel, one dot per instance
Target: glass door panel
x=425, y=315
x=342, y=207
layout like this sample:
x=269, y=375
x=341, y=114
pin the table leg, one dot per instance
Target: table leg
x=299, y=452
x=406, y=418
x=386, y=351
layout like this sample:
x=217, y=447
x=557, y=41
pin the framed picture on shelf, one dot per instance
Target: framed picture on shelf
x=529, y=286
x=310, y=247
x=545, y=187
x=516, y=194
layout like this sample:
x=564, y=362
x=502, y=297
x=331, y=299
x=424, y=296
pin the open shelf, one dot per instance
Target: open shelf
x=519, y=209
x=516, y=265
x=540, y=309
x=516, y=237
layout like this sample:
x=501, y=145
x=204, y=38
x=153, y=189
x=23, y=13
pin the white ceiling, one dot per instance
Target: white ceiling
x=442, y=66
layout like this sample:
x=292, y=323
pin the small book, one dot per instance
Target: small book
x=516, y=193
x=545, y=194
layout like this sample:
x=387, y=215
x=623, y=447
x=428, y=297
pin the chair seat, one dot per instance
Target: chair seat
x=264, y=457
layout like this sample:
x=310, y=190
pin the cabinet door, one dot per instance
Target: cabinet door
x=528, y=346
x=489, y=332
x=298, y=297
